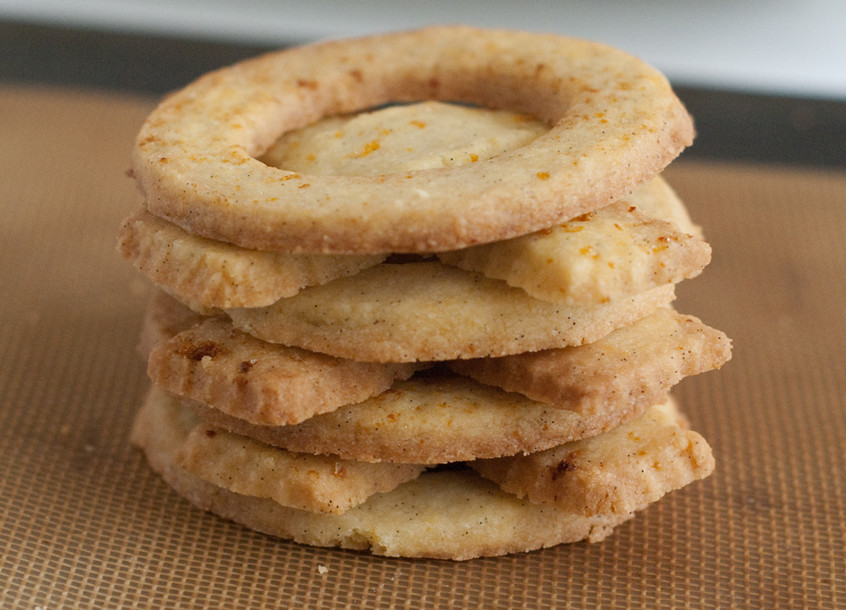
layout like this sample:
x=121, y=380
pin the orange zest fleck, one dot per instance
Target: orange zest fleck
x=571, y=229
x=370, y=147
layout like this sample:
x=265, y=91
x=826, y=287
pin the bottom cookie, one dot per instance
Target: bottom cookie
x=445, y=513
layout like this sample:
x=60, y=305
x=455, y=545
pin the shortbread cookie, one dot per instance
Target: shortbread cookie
x=433, y=419
x=613, y=473
x=211, y=274
x=215, y=274
x=260, y=382
x=315, y=483
x=615, y=123
x=634, y=363
x=603, y=255
x=432, y=311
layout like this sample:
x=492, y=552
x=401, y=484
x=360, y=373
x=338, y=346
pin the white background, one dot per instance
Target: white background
x=793, y=47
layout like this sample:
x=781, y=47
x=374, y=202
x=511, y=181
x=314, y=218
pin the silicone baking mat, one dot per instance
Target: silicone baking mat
x=85, y=523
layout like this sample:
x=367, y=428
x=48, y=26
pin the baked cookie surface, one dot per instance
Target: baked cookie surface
x=615, y=123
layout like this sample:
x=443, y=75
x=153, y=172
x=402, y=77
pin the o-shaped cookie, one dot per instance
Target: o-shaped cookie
x=615, y=123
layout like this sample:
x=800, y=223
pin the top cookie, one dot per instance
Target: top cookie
x=615, y=123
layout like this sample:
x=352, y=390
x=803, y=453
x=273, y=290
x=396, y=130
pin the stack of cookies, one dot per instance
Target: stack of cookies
x=500, y=397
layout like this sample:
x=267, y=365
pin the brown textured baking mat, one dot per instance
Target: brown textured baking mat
x=84, y=523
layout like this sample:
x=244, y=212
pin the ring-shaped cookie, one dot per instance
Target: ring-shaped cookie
x=615, y=123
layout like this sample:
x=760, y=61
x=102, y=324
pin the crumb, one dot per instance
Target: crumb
x=322, y=568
